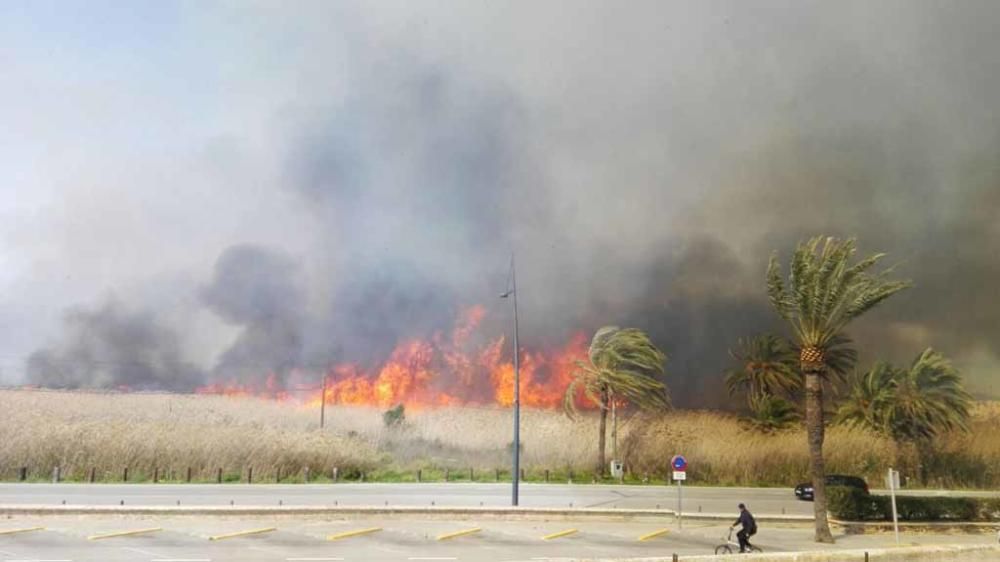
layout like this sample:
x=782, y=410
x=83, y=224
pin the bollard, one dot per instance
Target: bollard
x=782, y=511
x=362, y=476
x=277, y=475
x=156, y=475
x=22, y=473
x=498, y=475
x=472, y=475
x=570, y=481
x=419, y=474
x=178, y=502
x=125, y=475
x=121, y=502
x=56, y=475
x=218, y=477
x=306, y=474
x=446, y=474
x=675, y=557
x=699, y=509
x=336, y=474
x=93, y=474
x=866, y=556
x=250, y=475
x=522, y=474
x=188, y=475
x=546, y=475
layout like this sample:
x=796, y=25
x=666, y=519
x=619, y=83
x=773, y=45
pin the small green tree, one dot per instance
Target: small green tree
x=765, y=364
x=911, y=406
x=769, y=414
x=394, y=417
x=623, y=366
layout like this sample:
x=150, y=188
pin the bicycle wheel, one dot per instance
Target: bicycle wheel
x=756, y=549
x=723, y=549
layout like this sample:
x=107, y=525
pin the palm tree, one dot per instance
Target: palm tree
x=825, y=291
x=770, y=413
x=766, y=364
x=622, y=367
x=910, y=406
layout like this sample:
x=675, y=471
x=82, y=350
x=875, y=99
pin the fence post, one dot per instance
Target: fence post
x=446, y=474
x=125, y=474
x=419, y=479
x=522, y=474
x=472, y=474
x=250, y=475
x=277, y=475
x=156, y=475
x=306, y=475
x=570, y=477
x=22, y=473
x=93, y=474
x=188, y=475
x=498, y=474
x=218, y=477
x=336, y=474
x=56, y=475
x=546, y=475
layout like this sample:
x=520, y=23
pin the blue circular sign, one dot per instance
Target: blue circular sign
x=679, y=462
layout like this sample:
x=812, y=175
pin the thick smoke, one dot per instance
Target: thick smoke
x=112, y=347
x=256, y=289
x=641, y=181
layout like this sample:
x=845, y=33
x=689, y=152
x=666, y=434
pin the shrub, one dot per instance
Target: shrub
x=852, y=504
x=394, y=417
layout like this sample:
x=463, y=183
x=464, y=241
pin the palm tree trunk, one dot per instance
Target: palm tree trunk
x=602, y=431
x=815, y=435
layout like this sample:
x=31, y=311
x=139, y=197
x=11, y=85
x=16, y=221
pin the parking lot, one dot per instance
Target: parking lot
x=210, y=539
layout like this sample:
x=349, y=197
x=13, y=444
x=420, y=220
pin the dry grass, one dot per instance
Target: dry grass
x=77, y=431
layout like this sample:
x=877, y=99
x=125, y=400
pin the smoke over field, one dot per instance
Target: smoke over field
x=333, y=190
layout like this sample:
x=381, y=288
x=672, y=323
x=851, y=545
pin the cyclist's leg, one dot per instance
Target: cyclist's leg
x=743, y=538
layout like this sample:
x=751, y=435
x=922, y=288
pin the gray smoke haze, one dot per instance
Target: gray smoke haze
x=642, y=163
x=109, y=347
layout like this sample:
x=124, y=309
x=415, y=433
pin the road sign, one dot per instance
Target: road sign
x=679, y=463
x=680, y=475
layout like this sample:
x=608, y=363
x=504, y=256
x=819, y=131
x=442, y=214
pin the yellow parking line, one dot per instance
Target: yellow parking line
x=242, y=533
x=565, y=533
x=123, y=533
x=447, y=536
x=354, y=533
x=24, y=530
x=654, y=534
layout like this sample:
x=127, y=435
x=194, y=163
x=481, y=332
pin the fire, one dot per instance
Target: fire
x=445, y=370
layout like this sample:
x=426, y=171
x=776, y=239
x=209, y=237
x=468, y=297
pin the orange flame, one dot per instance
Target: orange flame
x=444, y=371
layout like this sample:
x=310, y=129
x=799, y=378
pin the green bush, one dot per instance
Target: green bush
x=394, y=417
x=851, y=504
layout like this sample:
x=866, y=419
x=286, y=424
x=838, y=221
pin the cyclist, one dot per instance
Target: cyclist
x=749, y=527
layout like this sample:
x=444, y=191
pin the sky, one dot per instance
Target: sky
x=191, y=190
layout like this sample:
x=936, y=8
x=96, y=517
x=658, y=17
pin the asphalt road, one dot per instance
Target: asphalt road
x=708, y=500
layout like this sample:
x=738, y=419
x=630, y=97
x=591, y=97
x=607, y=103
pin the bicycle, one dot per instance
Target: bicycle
x=727, y=547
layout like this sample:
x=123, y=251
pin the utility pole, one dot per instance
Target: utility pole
x=516, y=475
x=322, y=405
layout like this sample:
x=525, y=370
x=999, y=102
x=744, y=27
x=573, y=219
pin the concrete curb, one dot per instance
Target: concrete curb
x=936, y=553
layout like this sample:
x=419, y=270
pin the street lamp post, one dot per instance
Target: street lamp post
x=516, y=475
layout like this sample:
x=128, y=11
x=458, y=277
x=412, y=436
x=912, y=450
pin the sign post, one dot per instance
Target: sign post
x=679, y=466
x=893, y=481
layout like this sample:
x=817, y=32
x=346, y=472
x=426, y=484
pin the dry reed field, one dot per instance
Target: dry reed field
x=171, y=433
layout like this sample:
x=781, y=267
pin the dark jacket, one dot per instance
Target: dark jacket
x=746, y=520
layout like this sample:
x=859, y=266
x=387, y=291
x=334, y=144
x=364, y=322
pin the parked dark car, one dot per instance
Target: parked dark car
x=804, y=491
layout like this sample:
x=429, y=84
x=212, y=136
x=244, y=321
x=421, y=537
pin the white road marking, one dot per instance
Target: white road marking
x=432, y=558
x=312, y=559
x=38, y=560
x=181, y=560
x=141, y=551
